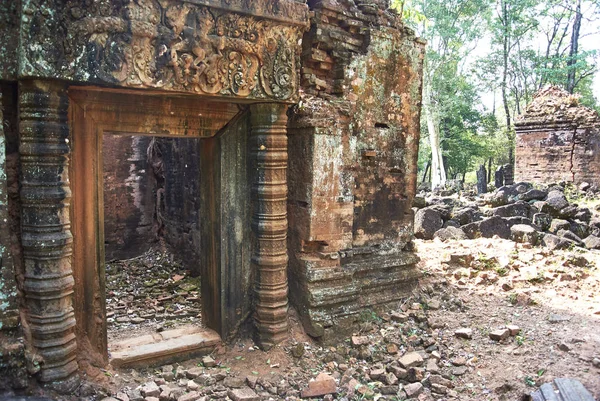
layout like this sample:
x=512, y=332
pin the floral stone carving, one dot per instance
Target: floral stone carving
x=170, y=45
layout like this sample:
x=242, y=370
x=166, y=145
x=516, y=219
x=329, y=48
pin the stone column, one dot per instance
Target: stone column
x=268, y=144
x=46, y=230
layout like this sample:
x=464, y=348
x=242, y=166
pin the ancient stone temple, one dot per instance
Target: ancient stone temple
x=557, y=139
x=304, y=127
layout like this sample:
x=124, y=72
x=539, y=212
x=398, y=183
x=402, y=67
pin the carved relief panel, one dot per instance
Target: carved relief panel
x=168, y=44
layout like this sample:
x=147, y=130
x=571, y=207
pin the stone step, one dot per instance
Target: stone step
x=162, y=348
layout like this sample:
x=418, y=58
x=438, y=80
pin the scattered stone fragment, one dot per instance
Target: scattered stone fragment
x=234, y=382
x=399, y=317
x=150, y=389
x=251, y=381
x=298, y=350
x=208, y=361
x=596, y=362
x=432, y=366
x=357, y=341
x=392, y=348
x=564, y=347
x=459, y=361
x=193, y=396
x=434, y=304
x=376, y=374
x=500, y=334
x=122, y=396
x=413, y=389
x=554, y=318
x=514, y=330
x=194, y=372
x=410, y=360
x=464, y=333
x=243, y=394
x=459, y=370
x=323, y=384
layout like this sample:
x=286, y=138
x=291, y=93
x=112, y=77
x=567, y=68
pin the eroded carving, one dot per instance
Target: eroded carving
x=178, y=46
x=46, y=229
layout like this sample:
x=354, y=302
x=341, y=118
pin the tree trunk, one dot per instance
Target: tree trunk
x=438, y=174
x=572, y=61
x=426, y=170
x=505, y=51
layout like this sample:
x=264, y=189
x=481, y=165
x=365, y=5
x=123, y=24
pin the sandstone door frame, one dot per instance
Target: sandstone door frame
x=94, y=113
x=61, y=130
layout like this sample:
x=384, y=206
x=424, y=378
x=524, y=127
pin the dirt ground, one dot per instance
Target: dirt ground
x=482, y=285
x=553, y=296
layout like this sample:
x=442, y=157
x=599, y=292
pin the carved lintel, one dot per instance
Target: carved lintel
x=268, y=144
x=199, y=47
x=46, y=235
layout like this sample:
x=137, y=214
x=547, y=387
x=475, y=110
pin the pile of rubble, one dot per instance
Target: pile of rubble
x=150, y=292
x=402, y=354
x=538, y=216
x=439, y=344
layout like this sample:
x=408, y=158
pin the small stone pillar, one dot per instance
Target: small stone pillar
x=268, y=147
x=499, y=177
x=481, y=180
x=509, y=174
x=46, y=229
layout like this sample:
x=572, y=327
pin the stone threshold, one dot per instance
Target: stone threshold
x=165, y=347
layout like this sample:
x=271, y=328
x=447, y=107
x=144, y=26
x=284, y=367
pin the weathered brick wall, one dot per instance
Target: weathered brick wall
x=557, y=140
x=353, y=148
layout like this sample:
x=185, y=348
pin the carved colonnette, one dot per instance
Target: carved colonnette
x=206, y=47
x=268, y=144
x=46, y=229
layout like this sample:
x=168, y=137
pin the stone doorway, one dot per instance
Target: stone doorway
x=217, y=131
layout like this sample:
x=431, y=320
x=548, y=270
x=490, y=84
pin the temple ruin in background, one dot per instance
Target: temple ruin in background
x=304, y=120
x=558, y=140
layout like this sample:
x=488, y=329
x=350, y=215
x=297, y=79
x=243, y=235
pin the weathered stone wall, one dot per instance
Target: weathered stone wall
x=129, y=196
x=152, y=191
x=558, y=140
x=13, y=373
x=353, y=148
x=179, y=198
x=9, y=38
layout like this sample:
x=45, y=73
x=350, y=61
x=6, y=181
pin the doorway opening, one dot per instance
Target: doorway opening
x=161, y=224
x=152, y=243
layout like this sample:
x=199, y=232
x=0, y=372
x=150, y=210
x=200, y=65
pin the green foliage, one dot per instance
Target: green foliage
x=508, y=49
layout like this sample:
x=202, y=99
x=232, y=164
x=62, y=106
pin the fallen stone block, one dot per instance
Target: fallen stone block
x=322, y=385
x=500, y=334
x=411, y=359
x=243, y=394
x=464, y=333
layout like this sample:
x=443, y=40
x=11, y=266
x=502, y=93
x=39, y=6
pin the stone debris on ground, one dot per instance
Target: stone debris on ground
x=150, y=293
x=492, y=319
x=556, y=216
x=460, y=337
